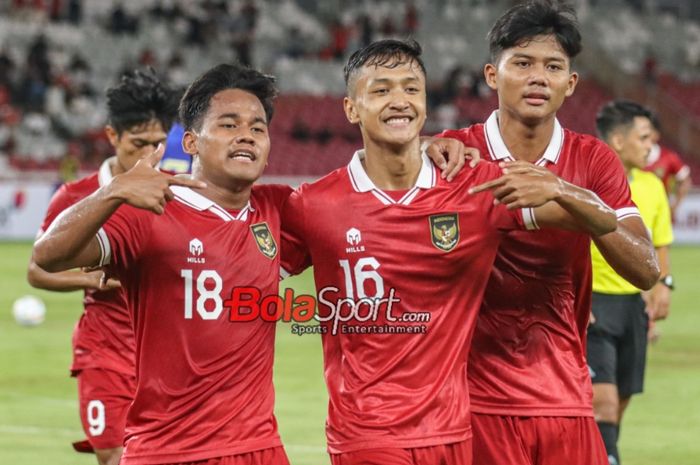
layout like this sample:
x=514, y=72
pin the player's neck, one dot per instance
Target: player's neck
x=628, y=169
x=393, y=168
x=115, y=167
x=234, y=196
x=525, y=142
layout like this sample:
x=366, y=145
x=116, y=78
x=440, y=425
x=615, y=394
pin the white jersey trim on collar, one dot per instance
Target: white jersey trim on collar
x=654, y=154
x=104, y=174
x=362, y=183
x=195, y=200
x=499, y=151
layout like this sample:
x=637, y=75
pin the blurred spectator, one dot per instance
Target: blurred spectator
x=36, y=140
x=147, y=58
x=242, y=32
x=387, y=28
x=340, y=36
x=120, y=22
x=479, y=88
x=7, y=70
x=650, y=69
x=176, y=72
x=74, y=15
x=410, y=19
x=69, y=166
x=295, y=46
x=365, y=30
x=670, y=168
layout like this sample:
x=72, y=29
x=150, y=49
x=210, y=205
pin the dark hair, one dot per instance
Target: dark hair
x=140, y=97
x=388, y=53
x=533, y=18
x=655, y=121
x=618, y=114
x=195, y=103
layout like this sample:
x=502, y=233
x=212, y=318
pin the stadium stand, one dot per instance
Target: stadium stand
x=57, y=57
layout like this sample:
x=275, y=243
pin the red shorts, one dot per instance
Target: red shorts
x=105, y=397
x=506, y=440
x=271, y=456
x=458, y=453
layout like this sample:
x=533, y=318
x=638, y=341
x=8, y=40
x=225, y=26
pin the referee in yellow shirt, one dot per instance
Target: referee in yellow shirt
x=617, y=336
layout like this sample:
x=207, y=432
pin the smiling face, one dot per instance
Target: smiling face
x=532, y=79
x=233, y=142
x=389, y=104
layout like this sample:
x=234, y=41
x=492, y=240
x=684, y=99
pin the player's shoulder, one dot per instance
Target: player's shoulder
x=577, y=143
x=650, y=180
x=275, y=194
x=74, y=191
x=333, y=183
x=485, y=170
x=470, y=136
x=668, y=153
x=587, y=150
x=86, y=185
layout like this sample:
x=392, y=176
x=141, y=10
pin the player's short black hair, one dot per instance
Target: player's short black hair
x=534, y=18
x=195, y=103
x=138, y=98
x=655, y=121
x=618, y=114
x=388, y=53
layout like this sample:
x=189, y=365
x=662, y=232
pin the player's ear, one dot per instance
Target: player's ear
x=189, y=142
x=490, y=75
x=617, y=141
x=573, y=80
x=112, y=135
x=351, y=110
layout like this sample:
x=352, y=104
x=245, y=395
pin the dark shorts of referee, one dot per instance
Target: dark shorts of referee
x=617, y=342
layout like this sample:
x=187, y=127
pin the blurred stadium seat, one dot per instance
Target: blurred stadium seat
x=310, y=132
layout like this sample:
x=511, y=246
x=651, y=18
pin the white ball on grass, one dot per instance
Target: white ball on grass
x=29, y=310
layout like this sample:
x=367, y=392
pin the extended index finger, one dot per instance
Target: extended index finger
x=186, y=182
x=487, y=185
x=156, y=156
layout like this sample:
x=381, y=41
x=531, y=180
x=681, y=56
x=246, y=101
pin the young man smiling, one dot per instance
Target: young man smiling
x=204, y=384
x=204, y=390
x=405, y=239
x=529, y=382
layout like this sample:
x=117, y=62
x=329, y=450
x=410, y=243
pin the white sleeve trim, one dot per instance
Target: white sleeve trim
x=529, y=219
x=284, y=273
x=105, y=248
x=626, y=212
x=683, y=173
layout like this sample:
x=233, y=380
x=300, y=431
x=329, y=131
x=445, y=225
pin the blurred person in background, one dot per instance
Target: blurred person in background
x=617, y=335
x=668, y=166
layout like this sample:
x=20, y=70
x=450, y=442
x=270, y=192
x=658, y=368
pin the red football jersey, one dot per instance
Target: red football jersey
x=103, y=337
x=667, y=165
x=395, y=371
x=528, y=355
x=204, y=382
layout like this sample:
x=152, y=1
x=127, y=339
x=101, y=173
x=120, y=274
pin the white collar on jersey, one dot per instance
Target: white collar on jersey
x=654, y=154
x=362, y=183
x=197, y=201
x=104, y=174
x=499, y=151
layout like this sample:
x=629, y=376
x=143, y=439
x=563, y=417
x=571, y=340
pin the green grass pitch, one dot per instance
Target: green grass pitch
x=38, y=406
